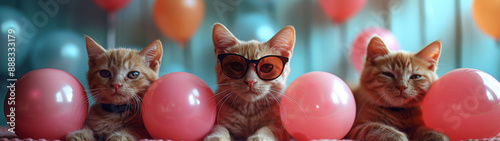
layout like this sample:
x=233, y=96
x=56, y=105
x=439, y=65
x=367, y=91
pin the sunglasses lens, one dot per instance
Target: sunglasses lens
x=270, y=67
x=234, y=66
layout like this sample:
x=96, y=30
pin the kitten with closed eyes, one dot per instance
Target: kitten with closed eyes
x=392, y=87
x=251, y=76
x=118, y=79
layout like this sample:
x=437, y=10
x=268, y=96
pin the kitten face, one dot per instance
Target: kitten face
x=398, y=79
x=121, y=76
x=251, y=87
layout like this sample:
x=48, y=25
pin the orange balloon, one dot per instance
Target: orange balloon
x=178, y=19
x=486, y=14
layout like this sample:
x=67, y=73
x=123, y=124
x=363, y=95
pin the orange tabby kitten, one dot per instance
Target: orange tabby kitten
x=252, y=77
x=393, y=85
x=118, y=79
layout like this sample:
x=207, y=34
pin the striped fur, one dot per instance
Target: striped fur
x=243, y=114
x=391, y=89
x=102, y=125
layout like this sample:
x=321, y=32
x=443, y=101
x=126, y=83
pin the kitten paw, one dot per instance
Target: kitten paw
x=120, y=137
x=380, y=132
x=259, y=138
x=81, y=135
x=388, y=136
x=216, y=139
x=434, y=136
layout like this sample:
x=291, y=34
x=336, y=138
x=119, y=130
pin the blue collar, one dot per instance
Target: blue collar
x=112, y=108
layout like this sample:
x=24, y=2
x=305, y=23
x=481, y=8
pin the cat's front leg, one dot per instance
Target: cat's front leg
x=138, y=132
x=263, y=134
x=122, y=135
x=85, y=134
x=373, y=131
x=218, y=133
x=426, y=134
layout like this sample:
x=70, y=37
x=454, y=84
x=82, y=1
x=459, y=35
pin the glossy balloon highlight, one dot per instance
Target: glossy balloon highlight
x=464, y=104
x=46, y=103
x=318, y=105
x=177, y=106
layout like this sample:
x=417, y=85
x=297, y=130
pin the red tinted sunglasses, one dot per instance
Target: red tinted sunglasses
x=236, y=66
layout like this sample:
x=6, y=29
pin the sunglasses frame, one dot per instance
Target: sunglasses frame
x=284, y=60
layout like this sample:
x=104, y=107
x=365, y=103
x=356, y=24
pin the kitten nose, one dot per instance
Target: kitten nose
x=116, y=86
x=250, y=83
x=401, y=87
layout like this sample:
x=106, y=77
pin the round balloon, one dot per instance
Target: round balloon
x=177, y=106
x=340, y=11
x=318, y=105
x=464, y=104
x=485, y=15
x=170, y=17
x=61, y=49
x=46, y=104
x=15, y=24
x=357, y=53
x=111, y=5
x=255, y=26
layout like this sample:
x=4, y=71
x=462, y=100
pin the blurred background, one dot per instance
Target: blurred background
x=50, y=33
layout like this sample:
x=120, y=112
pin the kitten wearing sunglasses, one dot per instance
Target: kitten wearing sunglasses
x=251, y=78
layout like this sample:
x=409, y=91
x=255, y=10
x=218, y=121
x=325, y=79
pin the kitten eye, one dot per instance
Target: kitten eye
x=133, y=74
x=105, y=73
x=388, y=74
x=415, y=76
x=266, y=68
x=236, y=66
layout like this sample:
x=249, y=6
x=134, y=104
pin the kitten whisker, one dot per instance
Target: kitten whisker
x=278, y=100
x=282, y=110
x=214, y=97
x=82, y=101
x=294, y=101
x=234, y=100
x=224, y=99
x=385, y=102
x=269, y=105
x=377, y=101
x=137, y=105
x=224, y=84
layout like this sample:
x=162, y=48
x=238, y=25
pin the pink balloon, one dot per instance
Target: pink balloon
x=111, y=5
x=464, y=104
x=358, y=49
x=177, y=106
x=318, y=105
x=46, y=104
x=340, y=11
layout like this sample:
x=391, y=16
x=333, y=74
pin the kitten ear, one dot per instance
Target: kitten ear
x=376, y=48
x=222, y=38
x=431, y=54
x=283, y=41
x=152, y=55
x=94, y=50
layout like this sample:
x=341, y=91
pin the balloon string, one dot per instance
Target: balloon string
x=111, y=30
